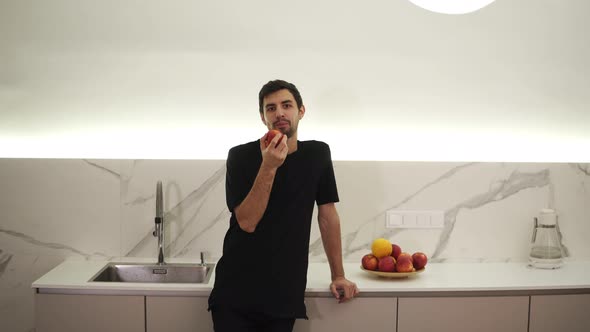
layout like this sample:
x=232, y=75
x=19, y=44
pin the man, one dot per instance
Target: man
x=271, y=190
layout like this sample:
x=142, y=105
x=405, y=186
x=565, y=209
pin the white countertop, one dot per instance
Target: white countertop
x=72, y=277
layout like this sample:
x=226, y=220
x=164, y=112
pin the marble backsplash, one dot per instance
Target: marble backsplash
x=53, y=209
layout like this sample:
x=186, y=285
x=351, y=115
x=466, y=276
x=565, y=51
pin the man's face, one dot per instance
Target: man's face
x=280, y=112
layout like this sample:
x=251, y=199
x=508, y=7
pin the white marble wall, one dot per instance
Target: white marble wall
x=97, y=209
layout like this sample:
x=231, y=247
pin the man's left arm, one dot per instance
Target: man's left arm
x=329, y=223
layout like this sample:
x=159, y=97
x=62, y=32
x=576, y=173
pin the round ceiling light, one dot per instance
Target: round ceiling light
x=452, y=6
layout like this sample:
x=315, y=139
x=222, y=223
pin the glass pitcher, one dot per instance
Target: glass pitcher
x=545, y=248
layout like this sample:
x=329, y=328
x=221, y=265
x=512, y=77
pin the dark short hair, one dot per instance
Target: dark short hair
x=276, y=85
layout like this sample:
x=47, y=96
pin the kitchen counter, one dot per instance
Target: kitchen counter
x=439, y=279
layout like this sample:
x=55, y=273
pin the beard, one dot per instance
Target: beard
x=290, y=131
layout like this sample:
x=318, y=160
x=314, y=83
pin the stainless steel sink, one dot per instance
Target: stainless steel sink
x=154, y=273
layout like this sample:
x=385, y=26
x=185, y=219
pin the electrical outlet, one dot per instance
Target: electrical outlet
x=414, y=219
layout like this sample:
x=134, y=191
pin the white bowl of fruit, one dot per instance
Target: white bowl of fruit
x=388, y=260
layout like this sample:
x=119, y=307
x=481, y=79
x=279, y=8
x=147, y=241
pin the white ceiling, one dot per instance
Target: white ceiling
x=158, y=79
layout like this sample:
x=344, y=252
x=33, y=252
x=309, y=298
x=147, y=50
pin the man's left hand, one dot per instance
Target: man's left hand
x=343, y=289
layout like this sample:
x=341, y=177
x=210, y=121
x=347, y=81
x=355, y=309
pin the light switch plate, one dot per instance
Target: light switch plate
x=394, y=220
x=414, y=219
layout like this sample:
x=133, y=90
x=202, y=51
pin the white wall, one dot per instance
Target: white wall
x=100, y=79
x=57, y=209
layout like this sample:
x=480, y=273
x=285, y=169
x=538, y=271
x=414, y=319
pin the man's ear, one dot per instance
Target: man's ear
x=301, y=111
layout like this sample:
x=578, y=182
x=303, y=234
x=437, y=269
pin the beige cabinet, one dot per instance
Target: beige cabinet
x=178, y=314
x=360, y=314
x=89, y=313
x=560, y=313
x=457, y=314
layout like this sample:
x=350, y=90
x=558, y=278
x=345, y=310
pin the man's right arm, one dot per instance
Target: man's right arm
x=251, y=209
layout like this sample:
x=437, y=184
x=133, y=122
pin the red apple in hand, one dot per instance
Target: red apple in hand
x=395, y=250
x=271, y=134
x=419, y=259
x=370, y=262
x=387, y=264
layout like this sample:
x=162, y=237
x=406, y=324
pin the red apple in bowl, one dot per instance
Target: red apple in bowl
x=405, y=254
x=370, y=262
x=395, y=250
x=419, y=259
x=404, y=263
x=387, y=264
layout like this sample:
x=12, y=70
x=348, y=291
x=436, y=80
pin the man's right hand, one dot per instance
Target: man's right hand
x=275, y=153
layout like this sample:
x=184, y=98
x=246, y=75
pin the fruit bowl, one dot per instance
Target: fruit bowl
x=393, y=274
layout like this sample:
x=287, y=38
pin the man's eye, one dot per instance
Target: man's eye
x=288, y=105
x=271, y=109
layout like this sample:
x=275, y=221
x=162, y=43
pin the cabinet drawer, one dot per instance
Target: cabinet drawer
x=359, y=314
x=560, y=313
x=178, y=314
x=468, y=314
x=89, y=313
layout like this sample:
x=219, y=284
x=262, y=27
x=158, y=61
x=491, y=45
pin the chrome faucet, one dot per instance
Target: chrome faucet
x=159, y=232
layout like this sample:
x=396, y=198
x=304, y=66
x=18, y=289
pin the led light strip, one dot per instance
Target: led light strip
x=346, y=144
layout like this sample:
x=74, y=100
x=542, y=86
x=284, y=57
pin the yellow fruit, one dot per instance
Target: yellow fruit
x=381, y=248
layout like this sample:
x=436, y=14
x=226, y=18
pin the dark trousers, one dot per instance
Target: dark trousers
x=230, y=320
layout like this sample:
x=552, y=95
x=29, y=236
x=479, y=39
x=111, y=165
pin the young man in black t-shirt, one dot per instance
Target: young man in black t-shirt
x=271, y=191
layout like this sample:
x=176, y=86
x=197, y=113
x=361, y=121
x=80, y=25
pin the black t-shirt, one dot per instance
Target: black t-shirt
x=266, y=271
